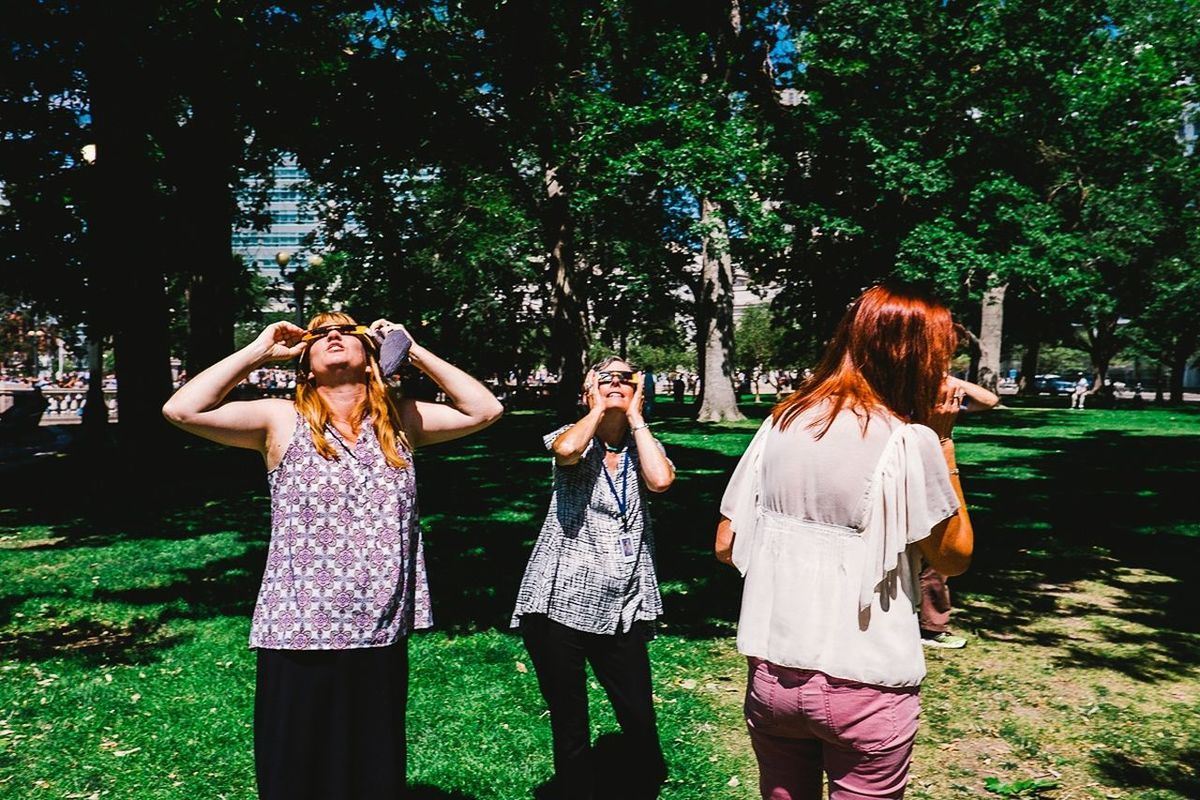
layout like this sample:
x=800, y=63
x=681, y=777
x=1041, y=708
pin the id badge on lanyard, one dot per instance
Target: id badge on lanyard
x=625, y=543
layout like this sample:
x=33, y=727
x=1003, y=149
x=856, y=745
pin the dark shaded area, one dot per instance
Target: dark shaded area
x=610, y=756
x=1122, y=770
x=1090, y=507
x=1081, y=507
x=92, y=641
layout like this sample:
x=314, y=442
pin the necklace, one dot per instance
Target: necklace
x=614, y=448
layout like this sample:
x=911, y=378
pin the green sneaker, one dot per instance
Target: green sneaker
x=946, y=641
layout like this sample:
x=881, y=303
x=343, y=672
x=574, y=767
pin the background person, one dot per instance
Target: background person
x=842, y=491
x=590, y=591
x=936, y=605
x=1080, y=392
x=344, y=582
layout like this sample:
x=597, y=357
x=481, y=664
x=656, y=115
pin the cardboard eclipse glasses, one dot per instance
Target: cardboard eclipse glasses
x=392, y=348
x=345, y=330
x=624, y=376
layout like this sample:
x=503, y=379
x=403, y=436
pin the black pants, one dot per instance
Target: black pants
x=329, y=724
x=622, y=666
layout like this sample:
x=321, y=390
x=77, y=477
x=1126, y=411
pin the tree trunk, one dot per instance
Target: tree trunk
x=95, y=411
x=1029, y=364
x=975, y=348
x=569, y=321
x=204, y=218
x=126, y=225
x=991, y=325
x=1184, y=347
x=1103, y=345
x=714, y=319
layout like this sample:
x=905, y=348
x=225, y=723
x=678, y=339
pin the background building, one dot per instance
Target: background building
x=289, y=224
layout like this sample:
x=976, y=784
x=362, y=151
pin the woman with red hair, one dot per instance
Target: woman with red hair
x=845, y=487
x=344, y=583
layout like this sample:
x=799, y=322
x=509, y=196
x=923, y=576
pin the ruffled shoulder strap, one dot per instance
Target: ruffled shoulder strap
x=746, y=511
x=897, y=514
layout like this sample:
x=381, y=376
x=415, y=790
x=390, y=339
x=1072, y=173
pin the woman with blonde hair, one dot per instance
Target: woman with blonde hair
x=845, y=487
x=344, y=582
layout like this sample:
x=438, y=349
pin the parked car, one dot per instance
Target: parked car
x=1053, y=384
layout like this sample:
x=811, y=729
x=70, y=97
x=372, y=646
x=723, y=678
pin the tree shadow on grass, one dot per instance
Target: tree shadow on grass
x=1099, y=507
x=221, y=588
x=1061, y=509
x=1122, y=770
x=93, y=642
x=89, y=502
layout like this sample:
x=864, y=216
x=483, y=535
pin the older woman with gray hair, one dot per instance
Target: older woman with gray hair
x=590, y=592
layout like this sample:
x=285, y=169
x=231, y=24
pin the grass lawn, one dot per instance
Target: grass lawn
x=124, y=670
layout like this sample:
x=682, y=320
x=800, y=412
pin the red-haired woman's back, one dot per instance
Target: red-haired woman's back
x=827, y=516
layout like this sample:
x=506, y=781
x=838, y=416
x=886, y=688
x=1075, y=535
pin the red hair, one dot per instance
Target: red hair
x=891, y=349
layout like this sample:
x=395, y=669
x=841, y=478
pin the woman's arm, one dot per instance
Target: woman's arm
x=471, y=407
x=657, y=472
x=569, y=446
x=196, y=407
x=949, y=546
x=723, y=546
x=976, y=393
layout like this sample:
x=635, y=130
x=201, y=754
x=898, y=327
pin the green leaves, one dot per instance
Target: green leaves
x=1026, y=787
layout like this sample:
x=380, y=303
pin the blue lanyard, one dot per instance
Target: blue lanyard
x=622, y=498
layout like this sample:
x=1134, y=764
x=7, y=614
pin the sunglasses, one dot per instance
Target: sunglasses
x=622, y=375
x=345, y=329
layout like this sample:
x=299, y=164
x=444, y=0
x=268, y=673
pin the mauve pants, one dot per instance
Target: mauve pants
x=804, y=723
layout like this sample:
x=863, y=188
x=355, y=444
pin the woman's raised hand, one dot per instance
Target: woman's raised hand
x=592, y=395
x=634, y=412
x=281, y=341
x=945, y=411
x=382, y=327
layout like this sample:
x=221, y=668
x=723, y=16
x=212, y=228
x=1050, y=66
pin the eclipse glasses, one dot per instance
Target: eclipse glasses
x=344, y=330
x=622, y=375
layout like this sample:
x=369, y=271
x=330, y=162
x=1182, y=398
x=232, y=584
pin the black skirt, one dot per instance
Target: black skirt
x=329, y=724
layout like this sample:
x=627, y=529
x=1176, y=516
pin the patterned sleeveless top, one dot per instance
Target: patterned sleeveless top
x=346, y=564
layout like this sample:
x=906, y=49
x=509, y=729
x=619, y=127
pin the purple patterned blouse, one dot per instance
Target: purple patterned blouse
x=346, y=565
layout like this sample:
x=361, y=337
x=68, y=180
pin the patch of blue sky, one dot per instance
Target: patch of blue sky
x=781, y=43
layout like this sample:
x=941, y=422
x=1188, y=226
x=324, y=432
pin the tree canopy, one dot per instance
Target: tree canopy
x=526, y=181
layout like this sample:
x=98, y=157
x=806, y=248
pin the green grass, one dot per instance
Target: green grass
x=124, y=670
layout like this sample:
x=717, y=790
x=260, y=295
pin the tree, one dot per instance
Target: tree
x=756, y=338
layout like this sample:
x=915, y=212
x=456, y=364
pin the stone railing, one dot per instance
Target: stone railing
x=63, y=405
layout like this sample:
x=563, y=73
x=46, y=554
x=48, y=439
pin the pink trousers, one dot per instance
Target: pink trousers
x=804, y=723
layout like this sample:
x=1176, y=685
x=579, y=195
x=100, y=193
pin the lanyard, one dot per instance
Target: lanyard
x=622, y=498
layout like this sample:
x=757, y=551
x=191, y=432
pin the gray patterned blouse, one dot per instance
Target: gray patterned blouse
x=592, y=567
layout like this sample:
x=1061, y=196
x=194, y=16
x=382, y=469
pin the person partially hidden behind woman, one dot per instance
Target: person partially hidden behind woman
x=345, y=581
x=842, y=491
x=590, y=591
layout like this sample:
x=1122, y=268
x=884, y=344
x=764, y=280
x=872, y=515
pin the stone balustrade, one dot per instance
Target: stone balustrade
x=64, y=405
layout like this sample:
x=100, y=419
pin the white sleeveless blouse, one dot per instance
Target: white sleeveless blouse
x=826, y=534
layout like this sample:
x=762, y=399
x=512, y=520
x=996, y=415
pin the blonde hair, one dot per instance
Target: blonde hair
x=380, y=403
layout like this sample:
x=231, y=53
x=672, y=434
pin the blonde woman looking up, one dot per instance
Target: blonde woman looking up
x=344, y=582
